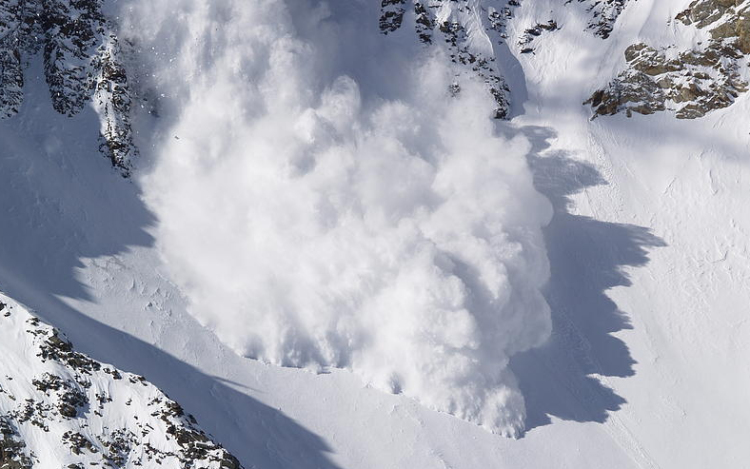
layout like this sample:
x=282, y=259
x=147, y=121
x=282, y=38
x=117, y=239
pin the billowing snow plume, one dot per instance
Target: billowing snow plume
x=324, y=201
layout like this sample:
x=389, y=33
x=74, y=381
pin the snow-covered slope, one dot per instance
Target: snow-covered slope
x=82, y=63
x=646, y=365
x=648, y=246
x=60, y=408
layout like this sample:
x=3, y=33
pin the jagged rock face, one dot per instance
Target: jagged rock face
x=60, y=408
x=113, y=102
x=726, y=20
x=73, y=31
x=81, y=61
x=18, y=30
x=690, y=83
x=457, y=24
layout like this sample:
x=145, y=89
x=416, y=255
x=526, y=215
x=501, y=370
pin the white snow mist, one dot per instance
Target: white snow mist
x=323, y=201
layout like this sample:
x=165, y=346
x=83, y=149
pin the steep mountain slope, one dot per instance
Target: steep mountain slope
x=82, y=62
x=660, y=203
x=60, y=408
x=646, y=365
x=473, y=34
x=704, y=69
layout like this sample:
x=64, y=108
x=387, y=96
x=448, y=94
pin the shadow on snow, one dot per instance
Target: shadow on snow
x=60, y=203
x=587, y=258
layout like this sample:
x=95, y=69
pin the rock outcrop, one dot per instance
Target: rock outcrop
x=60, y=408
x=471, y=31
x=534, y=32
x=604, y=15
x=690, y=83
x=81, y=61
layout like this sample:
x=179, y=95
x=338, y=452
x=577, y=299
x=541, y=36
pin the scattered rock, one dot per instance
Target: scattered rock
x=604, y=15
x=84, y=414
x=12, y=450
x=534, y=32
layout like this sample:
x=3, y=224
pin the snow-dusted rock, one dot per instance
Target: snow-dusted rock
x=472, y=30
x=690, y=82
x=60, y=408
x=604, y=15
x=81, y=61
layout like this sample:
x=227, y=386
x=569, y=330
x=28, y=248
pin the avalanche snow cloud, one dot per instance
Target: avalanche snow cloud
x=323, y=200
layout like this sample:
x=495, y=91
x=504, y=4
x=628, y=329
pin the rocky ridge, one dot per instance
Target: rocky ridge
x=82, y=61
x=474, y=30
x=60, y=408
x=691, y=83
x=604, y=15
x=471, y=31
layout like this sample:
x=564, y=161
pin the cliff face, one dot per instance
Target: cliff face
x=689, y=81
x=82, y=61
x=60, y=408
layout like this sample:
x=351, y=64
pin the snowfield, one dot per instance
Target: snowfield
x=644, y=262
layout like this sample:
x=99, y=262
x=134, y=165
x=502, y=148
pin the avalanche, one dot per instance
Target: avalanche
x=379, y=226
x=246, y=114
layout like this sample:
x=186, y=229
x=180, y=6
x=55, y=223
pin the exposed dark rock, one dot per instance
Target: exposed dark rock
x=70, y=401
x=534, y=32
x=114, y=432
x=604, y=15
x=452, y=31
x=392, y=15
x=81, y=60
x=78, y=443
x=73, y=31
x=59, y=349
x=114, y=103
x=12, y=449
x=48, y=382
x=20, y=31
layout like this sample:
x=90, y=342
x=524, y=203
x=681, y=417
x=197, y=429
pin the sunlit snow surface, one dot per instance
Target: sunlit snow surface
x=323, y=201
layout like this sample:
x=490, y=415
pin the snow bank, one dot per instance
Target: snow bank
x=324, y=202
